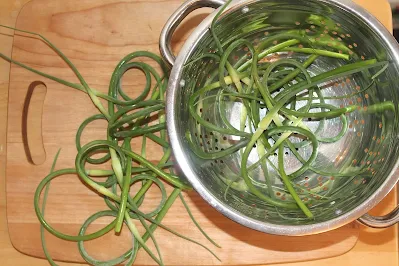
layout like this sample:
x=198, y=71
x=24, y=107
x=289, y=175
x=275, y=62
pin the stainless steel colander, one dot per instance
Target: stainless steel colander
x=370, y=141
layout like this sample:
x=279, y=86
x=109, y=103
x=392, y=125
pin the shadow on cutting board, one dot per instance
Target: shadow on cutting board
x=273, y=242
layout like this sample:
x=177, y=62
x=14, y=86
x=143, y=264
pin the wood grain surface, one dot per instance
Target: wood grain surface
x=95, y=35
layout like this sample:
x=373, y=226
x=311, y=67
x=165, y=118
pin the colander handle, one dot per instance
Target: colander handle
x=174, y=21
x=381, y=221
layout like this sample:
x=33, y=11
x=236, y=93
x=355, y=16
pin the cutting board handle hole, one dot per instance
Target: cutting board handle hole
x=32, y=120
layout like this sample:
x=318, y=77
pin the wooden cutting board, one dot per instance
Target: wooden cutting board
x=95, y=35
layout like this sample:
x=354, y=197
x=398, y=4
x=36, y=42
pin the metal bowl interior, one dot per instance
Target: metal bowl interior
x=369, y=143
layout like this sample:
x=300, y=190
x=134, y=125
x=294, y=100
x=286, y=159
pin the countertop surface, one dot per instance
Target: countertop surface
x=374, y=247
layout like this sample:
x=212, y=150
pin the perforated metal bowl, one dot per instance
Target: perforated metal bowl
x=371, y=139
